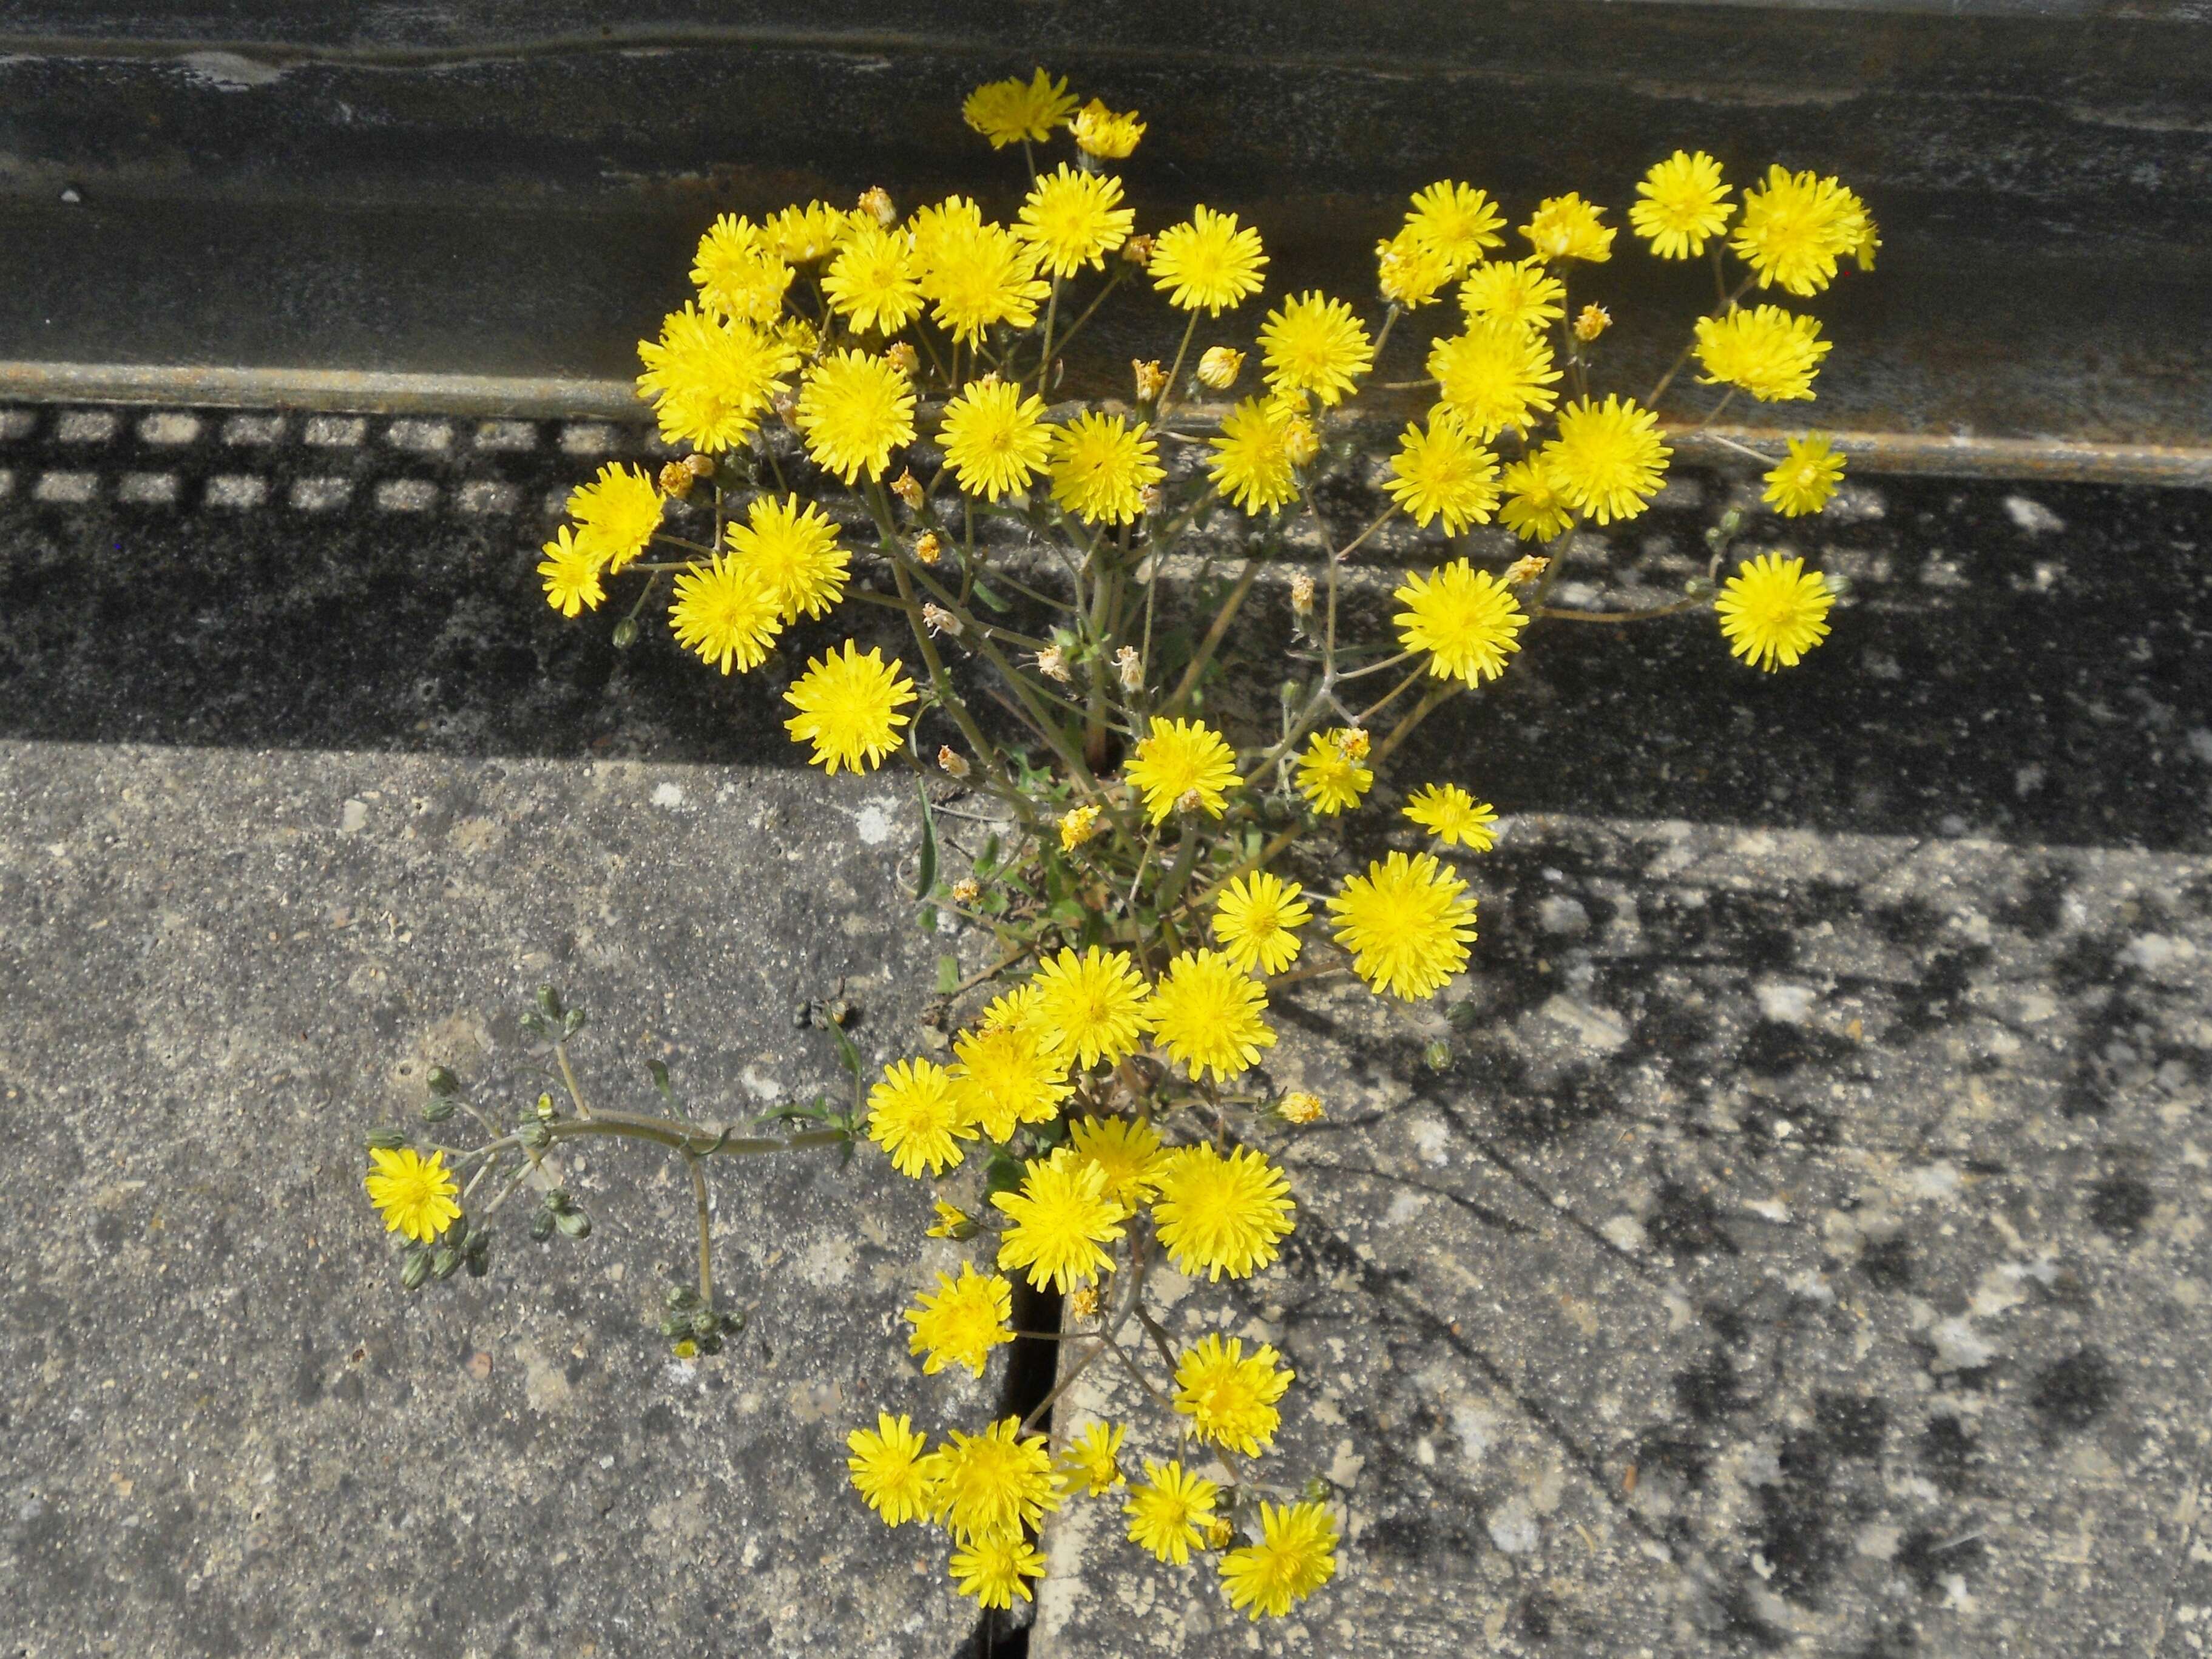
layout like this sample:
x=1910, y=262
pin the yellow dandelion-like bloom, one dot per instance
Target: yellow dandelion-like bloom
x=1017, y=1010
x=1330, y=777
x=710, y=379
x=1078, y=826
x=1256, y=920
x=1468, y=621
x=914, y=1117
x=1407, y=923
x=961, y=1320
x=1802, y=481
x=872, y=283
x=615, y=514
x=1607, y=459
x=1091, y=1461
x=1206, y=263
x=1794, y=228
x=1453, y=817
x=1219, y=366
x=1769, y=352
x=1230, y=1399
x=991, y=1485
x=1457, y=223
x=1074, y=219
x=1092, y=1007
x=1127, y=1149
x=1008, y=112
x=738, y=273
x=1295, y=1556
x=1170, y=1511
x=994, y=1568
x=976, y=274
x=889, y=1469
x=1440, y=471
x=1251, y=461
x=853, y=410
x=1061, y=1217
x=1408, y=273
x=995, y=437
x=1300, y=1107
x=1180, y=757
x=803, y=235
x=1492, y=376
x=940, y=224
x=1105, y=133
x=571, y=575
x=1519, y=293
x=413, y=1194
x=1773, y=611
x=1009, y=1074
x=952, y=1221
x=1316, y=345
x=1568, y=227
x=792, y=547
x=1101, y=467
x=1206, y=1013
x=1535, y=510
x=848, y=708
x=1682, y=204
x=1221, y=1215
x=726, y=612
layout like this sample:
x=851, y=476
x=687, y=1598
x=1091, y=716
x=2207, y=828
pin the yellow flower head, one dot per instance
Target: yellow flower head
x=1682, y=204
x=1773, y=611
x=1568, y=227
x=1008, y=112
x=413, y=1194
x=872, y=283
x=1257, y=918
x=1061, y=1218
x=912, y=1117
x=1468, y=621
x=991, y=1569
x=1534, y=509
x=1101, y=467
x=848, y=708
x=1795, y=226
x=853, y=410
x=1301, y=1107
x=1101, y=132
x=1008, y=1074
x=1607, y=459
x=1074, y=219
x=615, y=514
x=1092, y=1007
x=1802, y=481
x=1769, y=352
x=939, y=224
x=1091, y=1462
x=961, y=1320
x=1251, y=463
x=1219, y=366
x=889, y=1469
x=1409, y=274
x=1230, y=1399
x=1453, y=817
x=571, y=576
x=1295, y=1556
x=1439, y=470
x=1017, y=1010
x=975, y=275
x=803, y=235
x=1182, y=757
x=1492, y=376
x=952, y=1221
x=1221, y=1215
x=793, y=548
x=725, y=611
x=1519, y=293
x=995, y=437
x=1207, y=264
x=710, y=379
x=1127, y=1149
x=1170, y=1511
x=1455, y=221
x=1330, y=775
x=739, y=274
x=1206, y=1013
x=1078, y=826
x=991, y=1485
x=1407, y=923
x=1316, y=345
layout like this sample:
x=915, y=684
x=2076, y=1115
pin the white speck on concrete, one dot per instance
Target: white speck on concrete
x=2152, y=952
x=1513, y=1528
x=1561, y=915
x=1476, y=1429
x=1623, y=1232
x=872, y=824
x=1430, y=1139
x=2200, y=743
x=670, y=795
x=1937, y=1180
x=1404, y=1207
x=1783, y=1002
x=1596, y=1028
x=353, y=818
x=1959, y=1346
x=2032, y=516
x=228, y=72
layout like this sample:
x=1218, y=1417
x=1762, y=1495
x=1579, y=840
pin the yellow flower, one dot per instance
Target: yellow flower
x=1795, y=226
x=1257, y=918
x=1170, y=1511
x=939, y=224
x=913, y=1117
x=1206, y=1013
x=1409, y=274
x=1567, y=228
x=848, y=708
x=615, y=514
x=1534, y=509
x=1493, y=376
x=709, y=379
x=1101, y=132
x=803, y=235
x=1330, y=777
x=994, y=438
x=793, y=548
x=1768, y=351
x=1801, y=483
x=1008, y=112
x=737, y=274
x=889, y=1469
x=1251, y=461
x=1441, y=470
x=1091, y=1462
x=1074, y=219
x=1682, y=206
x=1295, y=1556
x=1300, y=1107
x=1313, y=344
x=1220, y=1215
x=993, y=1569
x=1076, y=825
x=1519, y=293
x=871, y=282
x=415, y=1194
x=1230, y=1399
x=1465, y=619
x=1457, y=223
x=993, y=1484
x=1008, y=1074
x=1219, y=366
x=1092, y=1007
x=853, y=410
x=1061, y=1216
x=1407, y=923
x=1773, y=611
x=952, y=1221
x=1015, y=1010
x=1206, y=263
x=1182, y=757
x=962, y=1322
x=1591, y=322
x=975, y=275
x=571, y=575
x=724, y=611
x=1453, y=817
x=1607, y=461
x=1127, y=1149
x=1101, y=467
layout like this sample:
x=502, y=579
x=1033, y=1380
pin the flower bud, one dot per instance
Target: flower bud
x=939, y=620
x=386, y=1140
x=1302, y=594
x=548, y=1002
x=954, y=765
x=1100, y=132
x=902, y=356
x=1149, y=499
x=1130, y=668
x=438, y=1109
x=698, y=466
x=1353, y=742
x=786, y=410
x=1052, y=663
x=1084, y=1302
x=1300, y=442
x=1151, y=379
x=1592, y=321
x=1190, y=801
x=967, y=891
x=1220, y=366
x=541, y=1225
x=875, y=203
x=929, y=547
x=1526, y=568
x=534, y=1135
x=442, y=1082
x=625, y=634
x=415, y=1270
x=1077, y=826
x=675, y=480
x=445, y=1262
x=1299, y=1106
x=1138, y=250
x=574, y=1223
x=908, y=489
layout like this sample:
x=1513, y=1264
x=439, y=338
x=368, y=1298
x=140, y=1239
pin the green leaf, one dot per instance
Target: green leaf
x=983, y=592
x=1178, y=875
x=925, y=877
x=1003, y=1174
x=847, y=1055
x=1070, y=913
x=925, y=918
x=948, y=974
